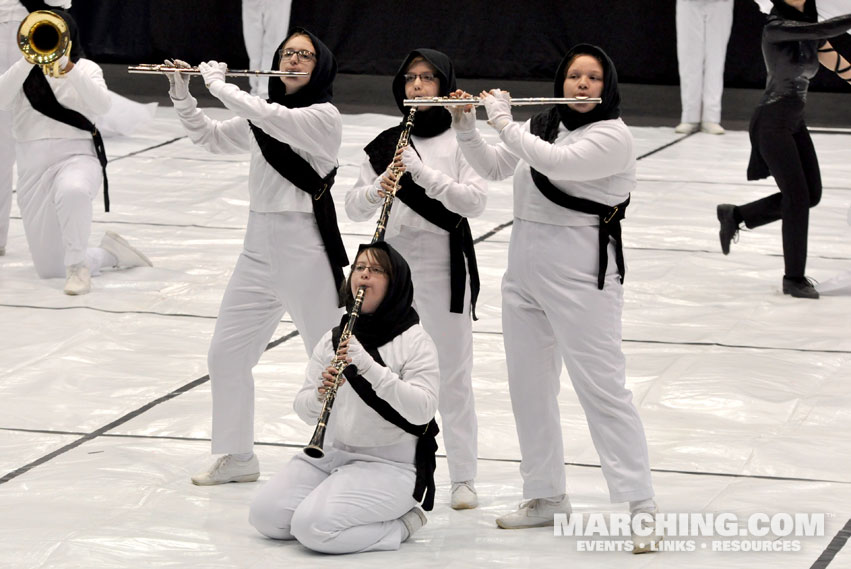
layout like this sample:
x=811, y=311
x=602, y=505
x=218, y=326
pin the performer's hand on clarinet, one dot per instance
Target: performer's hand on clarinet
x=393, y=172
x=328, y=380
x=178, y=82
x=411, y=162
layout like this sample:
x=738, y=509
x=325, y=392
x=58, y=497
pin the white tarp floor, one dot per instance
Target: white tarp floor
x=105, y=408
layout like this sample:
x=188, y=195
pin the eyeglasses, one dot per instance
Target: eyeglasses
x=424, y=77
x=304, y=56
x=375, y=271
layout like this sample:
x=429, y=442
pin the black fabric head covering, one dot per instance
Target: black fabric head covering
x=434, y=120
x=788, y=12
x=395, y=314
x=74, y=33
x=608, y=109
x=320, y=87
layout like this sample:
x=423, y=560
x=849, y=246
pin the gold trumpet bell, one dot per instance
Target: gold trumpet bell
x=43, y=37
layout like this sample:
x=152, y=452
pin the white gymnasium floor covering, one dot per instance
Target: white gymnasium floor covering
x=105, y=403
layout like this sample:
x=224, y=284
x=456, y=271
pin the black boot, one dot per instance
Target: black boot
x=799, y=287
x=729, y=226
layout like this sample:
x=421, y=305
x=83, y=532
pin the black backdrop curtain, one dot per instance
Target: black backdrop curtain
x=500, y=39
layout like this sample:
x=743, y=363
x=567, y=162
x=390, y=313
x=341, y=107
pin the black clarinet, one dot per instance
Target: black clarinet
x=390, y=196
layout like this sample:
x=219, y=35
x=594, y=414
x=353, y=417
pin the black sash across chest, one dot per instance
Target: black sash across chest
x=43, y=99
x=380, y=152
x=545, y=126
x=296, y=169
x=424, y=458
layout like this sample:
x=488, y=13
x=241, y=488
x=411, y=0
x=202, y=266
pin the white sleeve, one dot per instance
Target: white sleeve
x=466, y=196
x=602, y=151
x=359, y=207
x=12, y=82
x=317, y=129
x=64, y=4
x=221, y=137
x=306, y=403
x=492, y=162
x=413, y=391
x=87, y=80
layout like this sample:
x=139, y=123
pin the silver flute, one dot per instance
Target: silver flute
x=477, y=101
x=151, y=68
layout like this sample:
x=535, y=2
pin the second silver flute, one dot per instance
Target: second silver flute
x=159, y=68
x=477, y=101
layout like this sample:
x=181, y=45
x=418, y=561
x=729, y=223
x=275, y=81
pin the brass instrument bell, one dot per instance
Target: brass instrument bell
x=43, y=37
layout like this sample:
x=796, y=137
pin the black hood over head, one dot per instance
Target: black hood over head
x=320, y=87
x=435, y=120
x=396, y=313
x=787, y=12
x=609, y=108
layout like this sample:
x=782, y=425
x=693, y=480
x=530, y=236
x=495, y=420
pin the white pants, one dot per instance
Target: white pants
x=264, y=26
x=345, y=502
x=9, y=54
x=552, y=311
x=57, y=181
x=428, y=256
x=703, y=29
x=283, y=268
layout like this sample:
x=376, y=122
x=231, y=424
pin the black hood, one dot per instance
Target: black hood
x=609, y=108
x=320, y=87
x=435, y=120
x=395, y=314
x=787, y=12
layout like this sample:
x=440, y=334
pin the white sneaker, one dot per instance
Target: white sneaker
x=712, y=128
x=687, y=128
x=78, y=280
x=127, y=255
x=464, y=496
x=536, y=513
x=413, y=519
x=647, y=543
x=228, y=469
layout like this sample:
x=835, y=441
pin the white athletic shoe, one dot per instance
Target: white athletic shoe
x=228, y=469
x=687, y=128
x=413, y=519
x=648, y=543
x=127, y=255
x=712, y=128
x=536, y=513
x=464, y=496
x=78, y=280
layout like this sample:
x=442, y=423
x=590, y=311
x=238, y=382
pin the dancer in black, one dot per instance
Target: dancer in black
x=793, y=45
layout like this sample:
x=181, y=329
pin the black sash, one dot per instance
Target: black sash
x=380, y=152
x=424, y=458
x=294, y=168
x=43, y=99
x=544, y=126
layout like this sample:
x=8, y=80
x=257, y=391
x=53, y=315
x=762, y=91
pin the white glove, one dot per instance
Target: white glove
x=498, y=106
x=63, y=62
x=178, y=82
x=359, y=356
x=412, y=161
x=212, y=71
x=372, y=195
x=463, y=121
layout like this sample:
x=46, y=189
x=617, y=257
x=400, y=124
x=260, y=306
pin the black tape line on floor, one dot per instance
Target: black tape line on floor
x=125, y=418
x=835, y=545
x=155, y=146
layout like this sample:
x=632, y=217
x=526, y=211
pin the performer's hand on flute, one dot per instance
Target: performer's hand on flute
x=212, y=71
x=178, y=82
x=463, y=116
x=498, y=106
